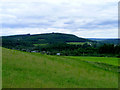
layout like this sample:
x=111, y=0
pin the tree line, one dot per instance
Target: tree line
x=65, y=49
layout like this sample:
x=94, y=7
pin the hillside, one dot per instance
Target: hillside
x=106, y=40
x=111, y=41
x=41, y=42
x=65, y=44
x=34, y=70
x=44, y=38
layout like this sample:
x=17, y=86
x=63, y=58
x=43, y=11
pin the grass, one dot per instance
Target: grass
x=107, y=60
x=78, y=43
x=40, y=44
x=33, y=70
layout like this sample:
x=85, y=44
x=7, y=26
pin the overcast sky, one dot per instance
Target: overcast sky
x=84, y=18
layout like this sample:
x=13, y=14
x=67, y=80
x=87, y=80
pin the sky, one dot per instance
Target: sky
x=83, y=18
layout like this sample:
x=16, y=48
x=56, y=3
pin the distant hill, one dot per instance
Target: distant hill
x=106, y=40
x=43, y=38
x=98, y=39
x=111, y=41
x=29, y=42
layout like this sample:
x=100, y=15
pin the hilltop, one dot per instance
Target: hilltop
x=32, y=41
x=46, y=38
x=65, y=44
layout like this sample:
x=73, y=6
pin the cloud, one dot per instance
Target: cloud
x=67, y=16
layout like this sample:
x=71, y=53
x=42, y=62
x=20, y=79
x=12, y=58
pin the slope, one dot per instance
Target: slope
x=32, y=70
x=49, y=38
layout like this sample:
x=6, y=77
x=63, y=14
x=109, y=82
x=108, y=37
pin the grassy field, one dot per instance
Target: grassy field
x=34, y=70
x=40, y=44
x=107, y=60
x=78, y=43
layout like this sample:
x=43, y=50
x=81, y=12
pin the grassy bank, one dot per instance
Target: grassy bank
x=32, y=70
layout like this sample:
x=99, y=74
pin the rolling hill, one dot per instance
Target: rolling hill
x=106, y=40
x=111, y=41
x=34, y=70
x=40, y=42
x=42, y=39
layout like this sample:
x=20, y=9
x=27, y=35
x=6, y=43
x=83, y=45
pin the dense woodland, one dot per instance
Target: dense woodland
x=81, y=50
x=58, y=43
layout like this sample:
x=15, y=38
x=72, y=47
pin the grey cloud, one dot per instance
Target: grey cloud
x=70, y=16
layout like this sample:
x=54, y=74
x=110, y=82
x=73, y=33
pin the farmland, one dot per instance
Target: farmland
x=66, y=44
x=40, y=44
x=35, y=70
x=78, y=43
x=107, y=60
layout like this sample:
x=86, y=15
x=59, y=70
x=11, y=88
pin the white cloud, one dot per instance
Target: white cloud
x=105, y=33
x=31, y=31
x=98, y=16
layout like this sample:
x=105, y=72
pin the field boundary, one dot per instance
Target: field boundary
x=105, y=66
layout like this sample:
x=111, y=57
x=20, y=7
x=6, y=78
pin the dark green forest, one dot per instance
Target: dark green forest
x=52, y=43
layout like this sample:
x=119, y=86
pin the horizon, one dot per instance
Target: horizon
x=83, y=18
x=60, y=33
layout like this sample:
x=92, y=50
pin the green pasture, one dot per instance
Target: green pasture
x=107, y=60
x=40, y=44
x=78, y=43
x=34, y=70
